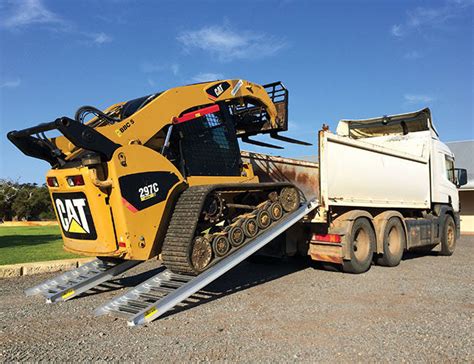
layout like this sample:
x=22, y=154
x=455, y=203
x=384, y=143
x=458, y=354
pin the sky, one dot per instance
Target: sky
x=339, y=59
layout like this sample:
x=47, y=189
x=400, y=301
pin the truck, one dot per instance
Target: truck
x=384, y=185
x=163, y=176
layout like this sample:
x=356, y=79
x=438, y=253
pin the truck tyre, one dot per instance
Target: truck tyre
x=448, y=238
x=394, y=242
x=361, y=243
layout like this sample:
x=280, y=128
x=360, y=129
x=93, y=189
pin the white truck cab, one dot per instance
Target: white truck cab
x=444, y=181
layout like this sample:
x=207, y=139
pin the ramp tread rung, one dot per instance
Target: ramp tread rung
x=163, y=289
x=136, y=303
x=129, y=309
x=152, y=297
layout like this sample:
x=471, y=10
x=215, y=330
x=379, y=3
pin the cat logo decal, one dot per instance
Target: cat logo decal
x=74, y=215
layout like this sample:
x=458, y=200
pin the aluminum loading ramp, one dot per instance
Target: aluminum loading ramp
x=79, y=280
x=152, y=298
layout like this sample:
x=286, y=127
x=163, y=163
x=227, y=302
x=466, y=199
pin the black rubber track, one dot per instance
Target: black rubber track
x=181, y=230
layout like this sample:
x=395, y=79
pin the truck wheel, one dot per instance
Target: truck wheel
x=393, y=243
x=448, y=239
x=362, y=240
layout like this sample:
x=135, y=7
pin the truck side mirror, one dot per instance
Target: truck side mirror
x=461, y=176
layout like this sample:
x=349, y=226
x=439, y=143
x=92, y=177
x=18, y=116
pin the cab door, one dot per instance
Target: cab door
x=443, y=179
x=208, y=146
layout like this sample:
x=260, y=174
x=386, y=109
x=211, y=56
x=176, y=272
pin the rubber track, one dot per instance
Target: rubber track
x=183, y=223
x=181, y=229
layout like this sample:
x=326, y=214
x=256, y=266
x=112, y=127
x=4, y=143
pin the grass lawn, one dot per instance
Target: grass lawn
x=22, y=244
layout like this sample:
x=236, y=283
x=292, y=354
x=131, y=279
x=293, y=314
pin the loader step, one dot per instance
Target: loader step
x=165, y=290
x=81, y=279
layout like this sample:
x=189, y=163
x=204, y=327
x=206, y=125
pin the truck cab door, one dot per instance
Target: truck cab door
x=443, y=176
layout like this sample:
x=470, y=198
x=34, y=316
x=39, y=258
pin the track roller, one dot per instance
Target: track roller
x=220, y=245
x=250, y=227
x=263, y=219
x=276, y=211
x=236, y=236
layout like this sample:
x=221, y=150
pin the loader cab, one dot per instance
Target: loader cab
x=204, y=143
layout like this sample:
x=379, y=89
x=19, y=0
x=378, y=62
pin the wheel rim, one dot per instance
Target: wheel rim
x=236, y=236
x=276, y=211
x=221, y=246
x=263, y=219
x=250, y=228
x=202, y=253
x=361, y=245
x=289, y=198
x=450, y=236
x=394, y=241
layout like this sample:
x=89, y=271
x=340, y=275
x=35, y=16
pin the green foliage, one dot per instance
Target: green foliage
x=8, y=193
x=25, y=201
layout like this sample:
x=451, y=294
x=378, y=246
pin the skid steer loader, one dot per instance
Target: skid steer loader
x=163, y=174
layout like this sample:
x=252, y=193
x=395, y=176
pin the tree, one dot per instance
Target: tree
x=41, y=204
x=8, y=192
x=32, y=202
x=26, y=201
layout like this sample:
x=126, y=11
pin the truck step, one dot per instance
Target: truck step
x=166, y=290
x=81, y=279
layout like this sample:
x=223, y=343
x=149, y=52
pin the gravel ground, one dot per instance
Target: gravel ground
x=280, y=311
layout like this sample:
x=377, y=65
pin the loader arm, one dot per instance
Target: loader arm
x=144, y=124
x=256, y=110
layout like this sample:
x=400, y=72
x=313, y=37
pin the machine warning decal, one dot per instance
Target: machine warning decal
x=150, y=312
x=215, y=91
x=68, y=294
x=142, y=190
x=74, y=215
x=237, y=87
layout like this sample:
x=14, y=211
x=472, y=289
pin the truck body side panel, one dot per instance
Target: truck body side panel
x=363, y=174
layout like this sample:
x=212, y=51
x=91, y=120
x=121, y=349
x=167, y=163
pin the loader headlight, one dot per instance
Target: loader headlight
x=75, y=181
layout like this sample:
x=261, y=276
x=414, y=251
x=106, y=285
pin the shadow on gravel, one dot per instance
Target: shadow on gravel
x=250, y=273
x=245, y=275
x=419, y=254
x=119, y=283
x=414, y=254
